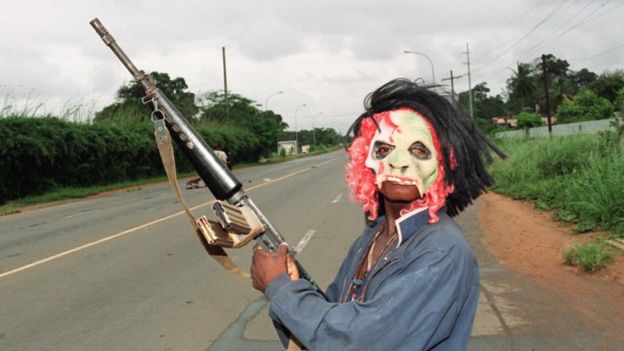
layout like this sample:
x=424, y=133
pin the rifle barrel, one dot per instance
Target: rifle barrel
x=121, y=55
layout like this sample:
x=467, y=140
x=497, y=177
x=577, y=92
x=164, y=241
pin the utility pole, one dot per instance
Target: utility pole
x=547, y=94
x=225, y=89
x=469, y=82
x=452, y=78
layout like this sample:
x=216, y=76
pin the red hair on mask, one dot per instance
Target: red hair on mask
x=362, y=180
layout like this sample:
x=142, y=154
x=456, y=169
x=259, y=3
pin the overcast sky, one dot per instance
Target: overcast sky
x=325, y=54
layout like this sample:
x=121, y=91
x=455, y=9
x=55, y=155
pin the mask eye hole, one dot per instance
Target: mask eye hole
x=381, y=150
x=420, y=151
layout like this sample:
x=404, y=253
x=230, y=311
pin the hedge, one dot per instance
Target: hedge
x=38, y=154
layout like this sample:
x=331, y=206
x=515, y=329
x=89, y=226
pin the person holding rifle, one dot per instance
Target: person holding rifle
x=409, y=281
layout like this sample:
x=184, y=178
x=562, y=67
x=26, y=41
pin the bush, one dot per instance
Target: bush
x=590, y=256
x=586, y=106
x=37, y=154
x=529, y=120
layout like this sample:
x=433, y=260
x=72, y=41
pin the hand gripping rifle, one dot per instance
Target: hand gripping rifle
x=239, y=220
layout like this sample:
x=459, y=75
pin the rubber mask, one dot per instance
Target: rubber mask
x=403, y=151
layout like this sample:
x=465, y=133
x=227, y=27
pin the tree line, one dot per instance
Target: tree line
x=48, y=152
x=237, y=116
x=574, y=95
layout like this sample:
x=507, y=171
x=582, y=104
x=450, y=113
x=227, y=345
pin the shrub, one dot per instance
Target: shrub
x=37, y=154
x=590, y=256
x=586, y=106
x=529, y=120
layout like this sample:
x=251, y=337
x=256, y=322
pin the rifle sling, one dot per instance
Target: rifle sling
x=163, y=140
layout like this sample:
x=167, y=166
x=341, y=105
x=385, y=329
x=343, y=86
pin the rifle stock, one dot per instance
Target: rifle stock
x=218, y=178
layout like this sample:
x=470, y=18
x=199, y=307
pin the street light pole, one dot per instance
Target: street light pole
x=427, y=57
x=266, y=102
x=297, y=130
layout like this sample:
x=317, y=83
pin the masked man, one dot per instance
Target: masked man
x=410, y=281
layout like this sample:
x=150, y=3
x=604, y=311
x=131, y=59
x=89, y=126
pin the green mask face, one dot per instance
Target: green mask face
x=403, y=151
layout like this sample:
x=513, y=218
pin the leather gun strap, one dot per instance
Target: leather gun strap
x=163, y=140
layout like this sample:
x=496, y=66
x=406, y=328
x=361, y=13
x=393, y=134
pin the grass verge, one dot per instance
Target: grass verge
x=580, y=178
x=66, y=193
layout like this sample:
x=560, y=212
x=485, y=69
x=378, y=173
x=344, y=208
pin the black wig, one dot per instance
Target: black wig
x=455, y=132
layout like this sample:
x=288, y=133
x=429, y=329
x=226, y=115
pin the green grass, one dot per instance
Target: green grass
x=591, y=256
x=579, y=177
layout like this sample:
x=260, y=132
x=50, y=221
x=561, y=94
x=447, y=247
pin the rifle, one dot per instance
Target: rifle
x=239, y=218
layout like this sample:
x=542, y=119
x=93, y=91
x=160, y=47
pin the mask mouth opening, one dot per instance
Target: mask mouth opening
x=399, y=180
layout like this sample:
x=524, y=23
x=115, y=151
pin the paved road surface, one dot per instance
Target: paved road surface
x=124, y=272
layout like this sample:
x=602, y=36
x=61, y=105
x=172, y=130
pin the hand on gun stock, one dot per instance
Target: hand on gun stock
x=266, y=266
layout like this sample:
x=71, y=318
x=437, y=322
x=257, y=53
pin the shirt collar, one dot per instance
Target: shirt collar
x=411, y=223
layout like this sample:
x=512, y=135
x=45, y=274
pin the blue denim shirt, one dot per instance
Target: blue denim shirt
x=421, y=296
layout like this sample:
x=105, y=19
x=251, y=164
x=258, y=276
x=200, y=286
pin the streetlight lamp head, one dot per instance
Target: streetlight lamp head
x=428, y=59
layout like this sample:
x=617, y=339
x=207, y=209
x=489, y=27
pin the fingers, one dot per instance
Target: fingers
x=282, y=249
x=291, y=267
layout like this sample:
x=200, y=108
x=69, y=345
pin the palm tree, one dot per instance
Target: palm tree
x=522, y=84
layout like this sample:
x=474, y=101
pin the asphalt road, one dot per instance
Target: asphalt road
x=125, y=272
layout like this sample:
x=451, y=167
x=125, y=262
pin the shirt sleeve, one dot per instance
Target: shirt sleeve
x=417, y=307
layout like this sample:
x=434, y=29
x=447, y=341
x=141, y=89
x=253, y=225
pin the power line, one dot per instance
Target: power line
x=601, y=54
x=591, y=16
x=588, y=18
x=580, y=21
x=514, y=21
x=546, y=18
x=551, y=34
x=522, y=15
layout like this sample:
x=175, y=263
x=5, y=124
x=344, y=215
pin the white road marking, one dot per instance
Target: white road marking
x=304, y=240
x=145, y=225
x=337, y=199
x=75, y=215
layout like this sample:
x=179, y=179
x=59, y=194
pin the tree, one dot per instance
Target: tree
x=129, y=97
x=485, y=107
x=619, y=101
x=608, y=84
x=582, y=79
x=522, y=85
x=560, y=84
x=529, y=120
x=493, y=106
x=243, y=112
x=586, y=106
x=323, y=136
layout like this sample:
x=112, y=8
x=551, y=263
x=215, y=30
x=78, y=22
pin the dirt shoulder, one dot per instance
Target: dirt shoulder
x=531, y=242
